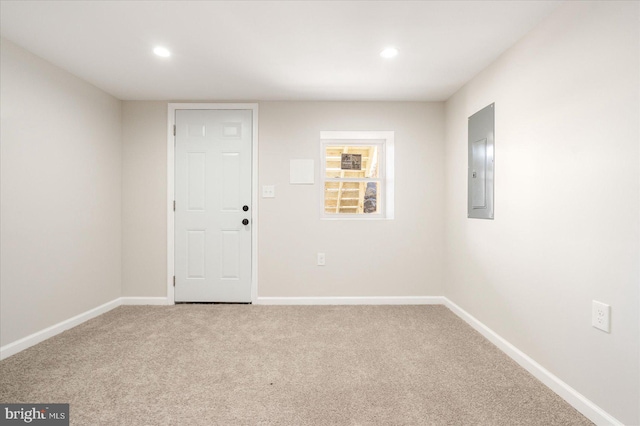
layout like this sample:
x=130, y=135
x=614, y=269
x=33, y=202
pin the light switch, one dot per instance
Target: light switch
x=268, y=191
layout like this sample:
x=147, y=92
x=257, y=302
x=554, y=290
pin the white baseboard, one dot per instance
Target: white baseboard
x=42, y=335
x=373, y=300
x=569, y=394
x=144, y=301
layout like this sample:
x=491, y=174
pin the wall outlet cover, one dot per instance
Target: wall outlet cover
x=268, y=191
x=601, y=316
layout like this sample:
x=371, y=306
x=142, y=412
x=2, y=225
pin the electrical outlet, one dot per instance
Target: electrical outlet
x=601, y=316
x=268, y=191
x=321, y=259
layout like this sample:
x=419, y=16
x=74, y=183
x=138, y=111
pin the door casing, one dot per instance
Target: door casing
x=172, y=107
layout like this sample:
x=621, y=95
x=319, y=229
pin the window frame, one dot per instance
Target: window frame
x=385, y=179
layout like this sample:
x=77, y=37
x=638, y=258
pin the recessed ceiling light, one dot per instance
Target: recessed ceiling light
x=389, y=52
x=162, y=51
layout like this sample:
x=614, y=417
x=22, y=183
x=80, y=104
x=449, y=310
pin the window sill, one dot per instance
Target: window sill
x=355, y=218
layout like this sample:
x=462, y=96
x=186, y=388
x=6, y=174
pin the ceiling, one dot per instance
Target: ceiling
x=272, y=50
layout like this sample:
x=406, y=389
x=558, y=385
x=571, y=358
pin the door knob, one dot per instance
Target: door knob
x=245, y=221
x=245, y=208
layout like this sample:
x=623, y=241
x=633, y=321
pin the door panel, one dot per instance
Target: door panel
x=230, y=181
x=196, y=175
x=196, y=253
x=230, y=255
x=213, y=183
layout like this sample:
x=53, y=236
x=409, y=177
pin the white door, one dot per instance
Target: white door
x=213, y=208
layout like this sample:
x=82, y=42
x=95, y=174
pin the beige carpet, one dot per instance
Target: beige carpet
x=280, y=365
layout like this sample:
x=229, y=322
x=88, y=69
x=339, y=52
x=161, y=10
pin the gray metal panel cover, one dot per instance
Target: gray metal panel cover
x=481, y=164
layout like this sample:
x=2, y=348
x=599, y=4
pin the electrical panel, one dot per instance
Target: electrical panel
x=481, y=134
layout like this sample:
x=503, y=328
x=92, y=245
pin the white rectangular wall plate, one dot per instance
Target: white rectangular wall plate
x=601, y=316
x=268, y=191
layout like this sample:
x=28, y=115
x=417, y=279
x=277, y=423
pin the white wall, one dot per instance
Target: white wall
x=401, y=257
x=144, y=199
x=566, y=227
x=60, y=195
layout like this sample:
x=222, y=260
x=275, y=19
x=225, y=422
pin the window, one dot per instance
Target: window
x=357, y=175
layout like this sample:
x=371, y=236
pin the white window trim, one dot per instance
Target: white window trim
x=345, y=138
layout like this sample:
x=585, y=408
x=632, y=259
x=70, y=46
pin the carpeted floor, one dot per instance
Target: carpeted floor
x=280, y=365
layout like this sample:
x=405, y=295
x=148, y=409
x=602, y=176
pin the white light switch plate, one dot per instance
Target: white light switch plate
x=268, y=191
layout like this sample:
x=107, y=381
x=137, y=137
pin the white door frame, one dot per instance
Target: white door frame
x=171, y=187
